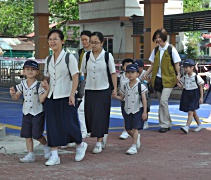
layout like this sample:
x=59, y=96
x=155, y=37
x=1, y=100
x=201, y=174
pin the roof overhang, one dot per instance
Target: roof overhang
x=97, y=20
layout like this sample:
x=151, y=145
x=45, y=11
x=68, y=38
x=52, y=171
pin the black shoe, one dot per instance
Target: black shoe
x=164, y=130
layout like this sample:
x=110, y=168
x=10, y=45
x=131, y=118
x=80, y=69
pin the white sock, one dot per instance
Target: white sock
x=199, y=125
x=80, y=145
x=187, y=127
x=30, y=153
x=46, y=149
x=54, y=153
x=134, y=145
x=99, y=144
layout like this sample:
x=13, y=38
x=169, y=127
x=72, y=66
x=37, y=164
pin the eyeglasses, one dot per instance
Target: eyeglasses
x=95, y=43
x=51, y=40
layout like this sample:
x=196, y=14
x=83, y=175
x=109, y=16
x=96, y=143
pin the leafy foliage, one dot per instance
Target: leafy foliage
x=195, y=5
x=16, y=18
x=194, y=37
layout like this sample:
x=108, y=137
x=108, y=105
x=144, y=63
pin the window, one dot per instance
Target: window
x=108, y=44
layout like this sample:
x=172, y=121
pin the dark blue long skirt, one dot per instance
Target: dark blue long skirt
x=97, y=111
x=207, y=97
x=62, y=122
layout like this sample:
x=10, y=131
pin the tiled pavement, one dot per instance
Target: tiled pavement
x=170, y=156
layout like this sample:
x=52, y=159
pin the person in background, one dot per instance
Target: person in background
x=123, y=79
x=98, y=91
x=140, y=65
x=165, y=75
x=33, y=115
x=192, y=94
x=62, y=123
x=135, y=107
x=85, y=41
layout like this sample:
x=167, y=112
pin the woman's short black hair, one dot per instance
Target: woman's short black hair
x=58, y=31
x=86, y=32
x=162, y=33
x=99, y=35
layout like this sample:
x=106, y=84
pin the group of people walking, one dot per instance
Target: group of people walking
x=57, y=93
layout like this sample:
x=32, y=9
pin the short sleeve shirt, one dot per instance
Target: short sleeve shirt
x=31, y=104
x=96, y=70
x=189, y=83
x=132, y=97
x=60, y=83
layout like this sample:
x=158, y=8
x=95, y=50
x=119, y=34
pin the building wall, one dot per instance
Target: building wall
x=123, y=42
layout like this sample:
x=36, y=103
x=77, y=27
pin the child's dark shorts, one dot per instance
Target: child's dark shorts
x=33, y=126
x=134, y=121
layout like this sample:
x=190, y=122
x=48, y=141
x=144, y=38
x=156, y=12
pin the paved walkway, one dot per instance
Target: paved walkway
x=170, y=156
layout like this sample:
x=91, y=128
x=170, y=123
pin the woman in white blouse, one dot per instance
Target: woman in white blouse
x=60, y=108
x=98, y=91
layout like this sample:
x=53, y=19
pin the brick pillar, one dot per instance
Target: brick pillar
x=41, y=24
x=153, y=20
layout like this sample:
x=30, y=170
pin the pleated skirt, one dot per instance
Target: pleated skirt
x=62, y=123
x=97, y=111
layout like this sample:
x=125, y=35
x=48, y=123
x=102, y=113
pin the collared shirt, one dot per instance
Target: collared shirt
x=31, y=104
x=96, y=69
x=132, y=97
x=175, y=56
x=123, y=79
x=60, y=83
x=189, y=83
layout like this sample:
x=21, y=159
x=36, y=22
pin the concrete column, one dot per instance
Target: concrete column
x=41, y=24
x=153, y=20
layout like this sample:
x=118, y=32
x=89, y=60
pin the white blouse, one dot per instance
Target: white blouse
x=60, y=83
x=31, y=104
x=189, y=83
x=132, y=97
x=96, y=69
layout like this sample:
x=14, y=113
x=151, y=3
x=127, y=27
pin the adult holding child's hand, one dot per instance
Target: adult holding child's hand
x=165, y=74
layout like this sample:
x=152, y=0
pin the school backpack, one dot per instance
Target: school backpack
x=147, y=97
x=107, y=67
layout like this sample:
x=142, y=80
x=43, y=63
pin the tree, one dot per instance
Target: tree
x=16, y=18
x=194, y=36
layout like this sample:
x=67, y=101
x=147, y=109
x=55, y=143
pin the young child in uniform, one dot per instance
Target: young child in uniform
x=123, y=80
x=192, y=94
x=135, y=106
x=33, y=114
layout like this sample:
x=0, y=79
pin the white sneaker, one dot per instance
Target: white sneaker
x=146, y=125
x=208, y=120
x=53, y=161
x=131, y=150
x=124, y=135
x=104, y=141
x=27, y=159
x=199, y=128
x=80, y=152
x=138, y=144
x=97, y=150
x=47, y=152
x=185, y=129
x=68, y=145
